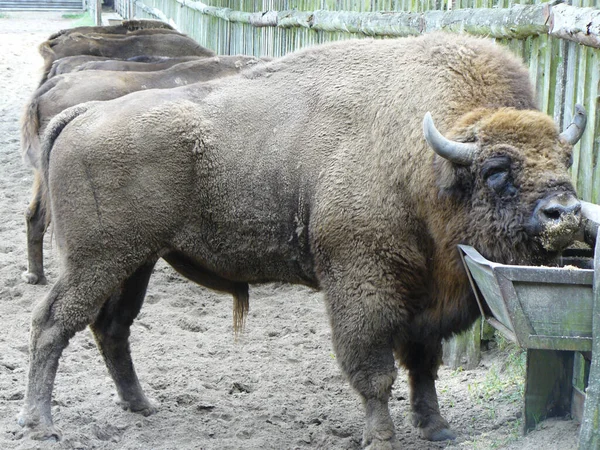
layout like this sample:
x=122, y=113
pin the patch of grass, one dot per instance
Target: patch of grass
x=502, y=343
x=505, y=381
x=485, y=442
x=503, y=384
x=515, y=435
x=81, y=19
x=3, y=16
x=73, y=15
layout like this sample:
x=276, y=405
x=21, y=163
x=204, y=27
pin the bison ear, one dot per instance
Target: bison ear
x=452, y=180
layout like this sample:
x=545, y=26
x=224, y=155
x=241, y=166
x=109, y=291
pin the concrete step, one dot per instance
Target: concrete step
x=41, y=5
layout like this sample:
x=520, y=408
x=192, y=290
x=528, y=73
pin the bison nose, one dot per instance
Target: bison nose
x=557, y=218
x=556, y=208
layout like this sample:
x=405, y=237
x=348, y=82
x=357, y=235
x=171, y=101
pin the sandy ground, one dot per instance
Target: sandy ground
x=278, y=387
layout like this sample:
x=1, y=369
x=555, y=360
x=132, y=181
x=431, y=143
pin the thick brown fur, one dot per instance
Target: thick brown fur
x=152, y=42
x=70, y=63
x=64, y=91
x=141, y=64
x=311, y=169
x=61, y=92
x=125, y=27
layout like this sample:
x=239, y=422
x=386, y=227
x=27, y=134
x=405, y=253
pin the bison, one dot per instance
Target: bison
x=61, y=92
x=69, y=64
x=136, y=64
x=321, y=168
x=150, y=42
x=125, y=27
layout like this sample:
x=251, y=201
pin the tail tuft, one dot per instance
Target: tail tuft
x=45, y=49
x=241, y=305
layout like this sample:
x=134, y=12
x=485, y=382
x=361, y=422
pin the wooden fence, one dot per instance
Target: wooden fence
x=564, y=71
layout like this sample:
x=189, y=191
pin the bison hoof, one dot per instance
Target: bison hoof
x=32, y=278
x=377, y=444
x=433, y=428
x=39, y=432
x=380, y=440
x=145, y=408
x=51, y=434
x=444, y=434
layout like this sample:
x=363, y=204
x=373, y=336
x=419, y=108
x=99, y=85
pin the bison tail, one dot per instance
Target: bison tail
x=55, y=127
x=30, y=127
x=49, y=56
x=241, y=304
x=30, y=140
x=53, y=130
x=54, y=67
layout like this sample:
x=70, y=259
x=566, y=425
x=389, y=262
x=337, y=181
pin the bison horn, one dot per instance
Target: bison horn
x=457, y=152
x=573, y=132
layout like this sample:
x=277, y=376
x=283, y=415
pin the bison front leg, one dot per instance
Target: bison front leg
x=362, y=343
x=111, y=331
x=422, y=362
x=35, y=218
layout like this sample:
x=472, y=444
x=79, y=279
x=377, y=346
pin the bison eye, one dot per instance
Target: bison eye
x=497, y=176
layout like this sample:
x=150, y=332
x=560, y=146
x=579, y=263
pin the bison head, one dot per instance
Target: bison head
x=509, y=170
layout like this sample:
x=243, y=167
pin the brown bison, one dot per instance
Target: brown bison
x=61, y=92
x=125, y=27
x=314, y=169
x=69, y=64
x=153, y=42
x=136, y=64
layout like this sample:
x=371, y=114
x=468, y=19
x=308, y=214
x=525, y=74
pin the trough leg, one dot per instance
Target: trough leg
x=111, y=330
x=422, y=362
x=362, y=342
x=548, y=386
x=35, y=218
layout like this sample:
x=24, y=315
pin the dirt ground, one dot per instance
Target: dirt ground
x=278, y=387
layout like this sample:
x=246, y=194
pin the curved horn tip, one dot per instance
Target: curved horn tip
x=579, y=109
x=575, y=130
x=427, y=123
x=456, y=152
x=580, y=115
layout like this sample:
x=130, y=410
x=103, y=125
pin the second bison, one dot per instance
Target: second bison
x=313, y=169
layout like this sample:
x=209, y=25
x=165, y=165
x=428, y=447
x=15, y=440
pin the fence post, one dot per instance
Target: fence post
x=464, y=350
x=97, y=12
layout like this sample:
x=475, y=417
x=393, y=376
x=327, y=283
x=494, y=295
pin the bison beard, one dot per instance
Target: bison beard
x=313, y=169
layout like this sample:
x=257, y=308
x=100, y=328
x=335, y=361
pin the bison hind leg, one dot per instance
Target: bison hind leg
x=111, y=330
x=67, y=309
x=35, y=218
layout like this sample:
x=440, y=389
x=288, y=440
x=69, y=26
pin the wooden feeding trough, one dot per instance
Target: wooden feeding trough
x=553, y=312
